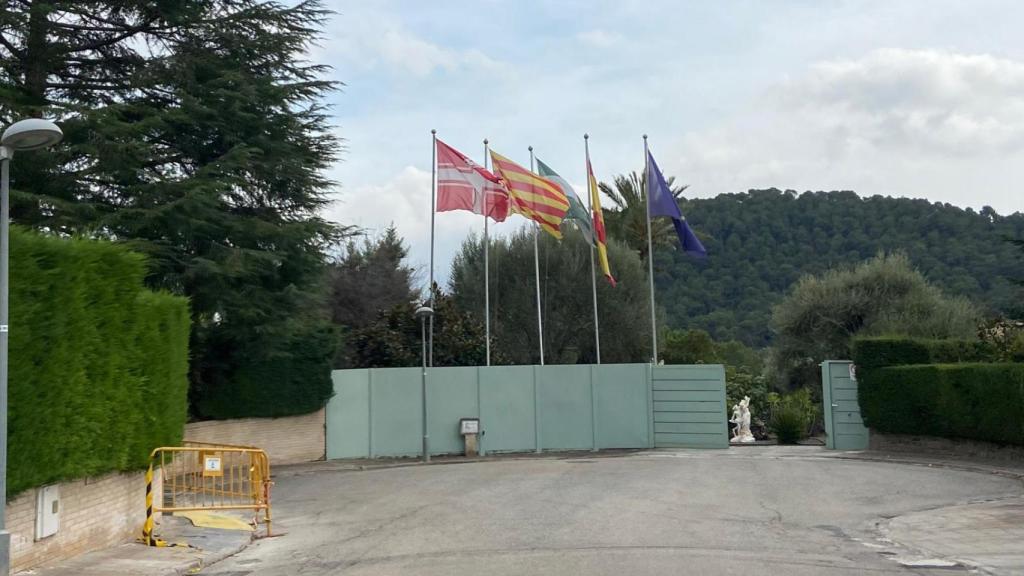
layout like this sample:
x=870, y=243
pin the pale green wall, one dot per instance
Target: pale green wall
x=689, y=406
x=616, y=397
x=507, y=408
x=348, y=415
x=376, y=412
x=565, y=409
x=844, y=427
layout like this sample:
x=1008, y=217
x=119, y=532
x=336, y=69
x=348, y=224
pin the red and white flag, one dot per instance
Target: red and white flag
x=464, y=185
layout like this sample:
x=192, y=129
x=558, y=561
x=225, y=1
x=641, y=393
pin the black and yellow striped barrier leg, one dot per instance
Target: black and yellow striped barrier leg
x=147, y=528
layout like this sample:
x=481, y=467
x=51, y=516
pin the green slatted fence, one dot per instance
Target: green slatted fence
x=689, y=407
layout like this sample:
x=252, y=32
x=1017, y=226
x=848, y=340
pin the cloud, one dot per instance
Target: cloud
x=366, y=39
x=942, y=125
x=404, y=200
x=922, y=99
x=599, y=38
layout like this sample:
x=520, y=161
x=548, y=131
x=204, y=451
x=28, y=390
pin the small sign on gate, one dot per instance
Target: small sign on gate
x=469, y=426
x=212, y=464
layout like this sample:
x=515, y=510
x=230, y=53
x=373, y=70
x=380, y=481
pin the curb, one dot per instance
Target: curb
x=206, y=561
x=930, y=462
x=214, y=558
x=364, y=465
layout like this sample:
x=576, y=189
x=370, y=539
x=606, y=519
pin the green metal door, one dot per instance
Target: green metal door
x=844, y=428
x=688, y=403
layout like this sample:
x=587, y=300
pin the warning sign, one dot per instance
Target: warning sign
x=212, y=464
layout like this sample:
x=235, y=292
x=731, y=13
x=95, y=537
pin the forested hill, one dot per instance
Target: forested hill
x=761, y=241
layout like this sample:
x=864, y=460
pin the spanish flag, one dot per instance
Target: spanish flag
x=537, y=198
x=600, y=238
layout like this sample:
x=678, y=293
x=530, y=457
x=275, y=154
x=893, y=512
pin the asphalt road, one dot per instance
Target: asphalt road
x=744, y=511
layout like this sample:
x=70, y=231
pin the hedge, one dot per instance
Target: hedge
x=295, y=379
x=869, y=353
x=972, y=401
x=98, y=364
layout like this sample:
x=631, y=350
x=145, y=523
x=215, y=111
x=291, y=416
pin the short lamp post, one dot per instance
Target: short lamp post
x=424, y=313
x=29, y=134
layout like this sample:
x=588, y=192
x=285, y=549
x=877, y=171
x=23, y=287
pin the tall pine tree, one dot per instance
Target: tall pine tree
x=196, y=131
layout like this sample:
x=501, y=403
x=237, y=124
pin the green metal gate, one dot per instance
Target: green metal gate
x=844, y=428
x=688, y=403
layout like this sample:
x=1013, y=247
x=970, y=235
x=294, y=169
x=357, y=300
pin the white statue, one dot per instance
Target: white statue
x=741, y=418
x=737, y=417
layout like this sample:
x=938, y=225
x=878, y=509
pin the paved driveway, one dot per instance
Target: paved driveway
x=744, y=511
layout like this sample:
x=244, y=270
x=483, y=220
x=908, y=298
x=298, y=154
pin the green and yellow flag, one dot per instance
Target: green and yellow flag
x=577, y=211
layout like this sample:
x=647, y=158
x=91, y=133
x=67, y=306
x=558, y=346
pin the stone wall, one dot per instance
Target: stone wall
x=945, y=447
x=287, y=440
x=94, y=513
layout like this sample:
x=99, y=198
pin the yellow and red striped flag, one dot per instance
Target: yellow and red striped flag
x=533, y=196
x=600, y=238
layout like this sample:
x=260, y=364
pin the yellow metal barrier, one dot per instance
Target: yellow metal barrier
x=201, y=476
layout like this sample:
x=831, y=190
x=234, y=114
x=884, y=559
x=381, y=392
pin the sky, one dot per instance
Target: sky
x=921, y=99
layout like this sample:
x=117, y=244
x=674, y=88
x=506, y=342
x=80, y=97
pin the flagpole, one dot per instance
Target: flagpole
x=487, y=268
x=536, y=270
x=433, y=212
x=593, y=272
x=650, y=256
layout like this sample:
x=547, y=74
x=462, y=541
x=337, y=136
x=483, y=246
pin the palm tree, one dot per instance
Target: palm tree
x=627, y=221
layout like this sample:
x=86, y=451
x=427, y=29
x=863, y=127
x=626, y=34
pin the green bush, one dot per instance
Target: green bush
x=1006, y=337
x=740, y=383
x=787, y=424
x=1015, y=350
x=98, y=364
x=971, y=401
x=791, y=416
x=870, y=353
x=294, y=379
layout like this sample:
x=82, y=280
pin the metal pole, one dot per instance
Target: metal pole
x=433, y=212
x=536, y=270
x=593, y=227
x=5, y=194
x=423, y=390
x=650, y=257
x=487, y=265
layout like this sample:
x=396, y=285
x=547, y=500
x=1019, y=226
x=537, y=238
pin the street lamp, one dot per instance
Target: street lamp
x=424, y=313
x=29, y=134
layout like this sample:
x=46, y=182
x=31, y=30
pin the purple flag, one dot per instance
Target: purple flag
x=662, y=202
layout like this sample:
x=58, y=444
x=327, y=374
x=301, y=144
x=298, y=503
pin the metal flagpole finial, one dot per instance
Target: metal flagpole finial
x=645, y=136
x=530, y=148
x=433, y=131
x=586, y=136
x=485, y=141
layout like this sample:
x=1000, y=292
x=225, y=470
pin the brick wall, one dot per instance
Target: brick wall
x=287, y=440
x=94, y=513
x=931, y=445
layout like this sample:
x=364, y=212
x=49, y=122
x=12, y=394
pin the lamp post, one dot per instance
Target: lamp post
x=27, y=134
x=424, y=313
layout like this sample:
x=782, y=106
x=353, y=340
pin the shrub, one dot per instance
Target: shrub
x=787, y=424
x=791, y=416
x=689, y=347
x=98, y=364
x=1006, y=337
x=1015, y=351
x=971, y=401
x=884, y=295
x=294, y=379
x=870, y=353
x=740, y=383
